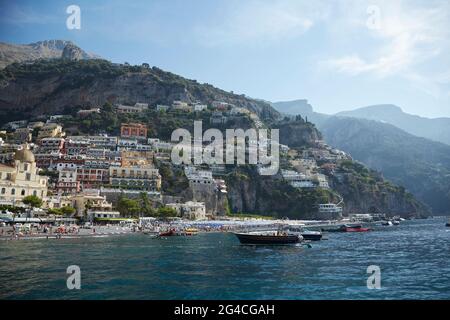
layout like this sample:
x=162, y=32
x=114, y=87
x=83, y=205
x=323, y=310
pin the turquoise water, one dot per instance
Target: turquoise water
x=414, y=259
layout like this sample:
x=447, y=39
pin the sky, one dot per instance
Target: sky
x=340, y=55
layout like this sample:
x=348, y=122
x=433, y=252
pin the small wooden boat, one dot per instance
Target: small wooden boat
x=190, y=231
x=169, y=233
x=268, y=238
x=357, y=229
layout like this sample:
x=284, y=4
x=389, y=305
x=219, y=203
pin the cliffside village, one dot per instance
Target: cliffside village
x=91, y=172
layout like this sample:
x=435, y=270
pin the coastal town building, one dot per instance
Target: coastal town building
x=76, y=147
x=322, y=180
x=133, y=130
x=191, y=210
x=51, y=145
x=139, y=177
x=329, y=211
x=98, y=215
x=67, y=181
x=297, y=180
x=181, y=106
x=90, y=202
x=21, y=135
x=97, y=141
x=35, y=125
x=13, y=125
x=21, y=179
x=200, y=107
x=137, y=108
x=162, y=107
x=50, y=130
x=87, y=112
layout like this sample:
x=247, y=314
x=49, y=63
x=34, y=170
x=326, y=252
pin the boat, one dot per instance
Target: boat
x=448, y=223
x=150, y=233
x=357, y=229
x=311, y=235
x=396, y=223
x=387, y=223
x=190, y=231
x=268, y=238
x=349, y=228
x=169, y=233
x=308, y=235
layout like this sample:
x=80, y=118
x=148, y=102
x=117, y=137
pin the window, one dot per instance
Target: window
x=13, y=191
x=3, y=190
x=23, y=192
x=28, y=176
x=34, y=193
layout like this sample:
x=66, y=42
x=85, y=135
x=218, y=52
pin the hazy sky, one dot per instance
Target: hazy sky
x=337, y=54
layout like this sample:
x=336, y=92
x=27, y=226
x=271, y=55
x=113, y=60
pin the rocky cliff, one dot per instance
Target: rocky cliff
x=365, y=190
x=50, y=87
x=251, y=193
x=48, y=49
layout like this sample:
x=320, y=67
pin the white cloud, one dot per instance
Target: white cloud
x=409, y=35
x=259, y=21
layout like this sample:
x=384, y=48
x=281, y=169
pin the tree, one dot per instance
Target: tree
x=54, y=211
x=68, y=210
x=87, y=207
x=33, y=201
x=166, y=212
x=146, y=205
x=128, y=207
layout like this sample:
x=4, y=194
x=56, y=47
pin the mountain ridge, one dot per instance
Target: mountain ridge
x=436, y=129
x=46, y=49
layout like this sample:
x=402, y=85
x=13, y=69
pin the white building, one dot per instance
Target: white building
x=22, y=179
x=297, y=180
x=137, y=108
x=330, y=211
x=190, y=210
x=161, y=107
x=200, y=107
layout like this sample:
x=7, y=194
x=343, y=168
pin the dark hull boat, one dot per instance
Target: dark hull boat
x=169, y=233
x=260, y=238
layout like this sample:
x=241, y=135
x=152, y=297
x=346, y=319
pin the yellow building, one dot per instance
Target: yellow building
x=21, y=179
x=51, y=130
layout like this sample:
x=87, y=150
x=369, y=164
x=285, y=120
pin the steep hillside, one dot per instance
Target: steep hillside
x=63, y=86
x=53, y=86
x=435, y=129
x=48, y=49
x=420, y=165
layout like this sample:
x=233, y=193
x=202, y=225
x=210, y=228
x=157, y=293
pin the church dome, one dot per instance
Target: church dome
x=24, y=155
